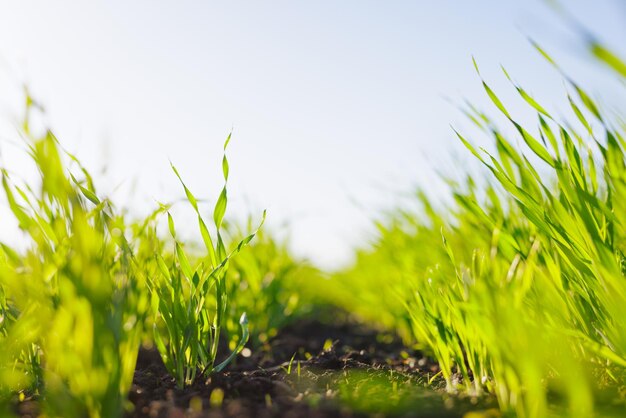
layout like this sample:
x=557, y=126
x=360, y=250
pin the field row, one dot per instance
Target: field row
x=516, y=288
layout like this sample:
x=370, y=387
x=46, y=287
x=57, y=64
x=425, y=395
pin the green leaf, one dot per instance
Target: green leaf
x=225, y=167
x=494, y=98
x=245, y=334
x=535, y=145
x=190, y=197
x=608, y=57
x=468, y=145
x=579, y=115
x=588, y=102
x=543, y=53
x=208, y=242
x=227, y=140
x=91, y=196
x=170, y=223
x=184, y=262
x=527, y=98
x=220, y=209
x=163, y=267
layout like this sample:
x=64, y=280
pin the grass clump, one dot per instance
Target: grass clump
x=73, y=302
x=519, y=288
x=191, y=303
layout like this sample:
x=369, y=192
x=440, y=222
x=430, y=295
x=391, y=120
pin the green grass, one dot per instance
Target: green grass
x=517, y=287
x=191, y=301
x=524, y=295
x=73, y=303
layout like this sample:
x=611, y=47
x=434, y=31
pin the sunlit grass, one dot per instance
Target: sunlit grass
x=191, y=301
x=518, y=289
x=73, y=303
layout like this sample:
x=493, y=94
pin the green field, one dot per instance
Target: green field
x=509, y=300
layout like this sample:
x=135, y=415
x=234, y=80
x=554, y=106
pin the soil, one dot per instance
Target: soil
x=310, y=369
x=313, y=369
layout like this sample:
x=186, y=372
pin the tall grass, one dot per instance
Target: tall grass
x=190, y=296
x=518, y=289
x=74, y=302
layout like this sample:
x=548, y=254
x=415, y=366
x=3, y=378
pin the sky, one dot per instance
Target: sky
x=339, y=109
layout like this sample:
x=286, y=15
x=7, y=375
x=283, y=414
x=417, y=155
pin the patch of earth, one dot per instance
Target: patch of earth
x=310, y=369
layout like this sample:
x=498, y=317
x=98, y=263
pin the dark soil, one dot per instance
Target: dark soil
x=339, y=370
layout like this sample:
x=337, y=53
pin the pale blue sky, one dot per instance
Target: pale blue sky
x=331, y=102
